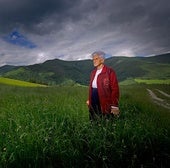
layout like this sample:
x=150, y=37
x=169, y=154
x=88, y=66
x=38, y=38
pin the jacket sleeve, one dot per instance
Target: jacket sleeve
x=114, y=88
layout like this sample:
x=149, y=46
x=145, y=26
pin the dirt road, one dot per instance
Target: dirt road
x=160, y=101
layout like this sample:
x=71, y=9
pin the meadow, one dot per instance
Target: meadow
x=153, y=81
x=15, y=82
x=49, y=127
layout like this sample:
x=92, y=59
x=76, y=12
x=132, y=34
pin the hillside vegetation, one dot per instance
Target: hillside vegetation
x=56, y=71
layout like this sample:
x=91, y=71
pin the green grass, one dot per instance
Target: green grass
x=19, y=83
x=153, y=81
x=132, y=81
x=49, y=127
x=129, y=81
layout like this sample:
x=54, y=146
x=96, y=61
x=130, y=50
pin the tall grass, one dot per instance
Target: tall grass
x=49, y=127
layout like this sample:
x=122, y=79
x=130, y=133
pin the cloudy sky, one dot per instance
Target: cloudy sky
x=73, y=29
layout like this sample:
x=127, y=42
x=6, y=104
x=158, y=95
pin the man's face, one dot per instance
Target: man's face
x=97, y=60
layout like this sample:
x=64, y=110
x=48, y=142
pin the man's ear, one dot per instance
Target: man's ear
x=102, y=60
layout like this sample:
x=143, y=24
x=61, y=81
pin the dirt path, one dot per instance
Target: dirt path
x=163, y=93
x=159, y=101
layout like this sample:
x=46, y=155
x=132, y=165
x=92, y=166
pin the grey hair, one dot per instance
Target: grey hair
x=100, y=53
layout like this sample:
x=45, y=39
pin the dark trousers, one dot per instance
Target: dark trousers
x=95, y=112
x=95, y=109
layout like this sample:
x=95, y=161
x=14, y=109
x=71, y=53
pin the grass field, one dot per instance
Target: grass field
x=19, y=83
x=132, y=81
x=49, y=127
x=153, y=81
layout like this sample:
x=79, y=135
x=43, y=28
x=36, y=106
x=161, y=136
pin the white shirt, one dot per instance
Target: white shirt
x=94, y=83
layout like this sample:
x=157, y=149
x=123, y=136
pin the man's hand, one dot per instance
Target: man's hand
x=87, y=102
x=115, y=110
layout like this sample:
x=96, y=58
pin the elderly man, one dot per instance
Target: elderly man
x=103, y=89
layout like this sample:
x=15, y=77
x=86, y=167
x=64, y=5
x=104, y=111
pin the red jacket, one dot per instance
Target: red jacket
x=108, y=88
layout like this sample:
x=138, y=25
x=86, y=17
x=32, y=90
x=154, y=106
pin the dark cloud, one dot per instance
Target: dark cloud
x=26, y=13
x=74, y=29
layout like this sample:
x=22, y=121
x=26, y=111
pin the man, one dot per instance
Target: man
x=103, y=89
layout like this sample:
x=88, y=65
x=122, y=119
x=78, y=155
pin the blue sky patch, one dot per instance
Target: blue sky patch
x=18, y=39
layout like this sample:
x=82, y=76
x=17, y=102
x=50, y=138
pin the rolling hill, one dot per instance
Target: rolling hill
x=15, y=82
x=57, y=71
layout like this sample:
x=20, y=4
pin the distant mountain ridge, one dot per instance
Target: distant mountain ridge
x=57, y=71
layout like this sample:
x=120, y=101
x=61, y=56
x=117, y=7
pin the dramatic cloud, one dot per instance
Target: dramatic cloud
x=72, y=30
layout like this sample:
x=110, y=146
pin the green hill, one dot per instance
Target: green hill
x=15, y=82
x=57, y=71
x=164, y=58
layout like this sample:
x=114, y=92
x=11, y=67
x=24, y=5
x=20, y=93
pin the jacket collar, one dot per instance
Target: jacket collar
x=103, y=70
